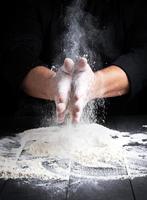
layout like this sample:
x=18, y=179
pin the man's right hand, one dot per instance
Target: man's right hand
x=43, y=83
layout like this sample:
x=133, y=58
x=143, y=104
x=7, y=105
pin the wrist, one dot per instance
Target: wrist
x=97, y=89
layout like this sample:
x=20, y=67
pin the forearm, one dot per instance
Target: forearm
x=41, y=82
x=110, y=82
x=36, y=83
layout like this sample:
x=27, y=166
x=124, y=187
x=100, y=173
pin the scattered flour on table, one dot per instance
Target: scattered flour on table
x=50, y=153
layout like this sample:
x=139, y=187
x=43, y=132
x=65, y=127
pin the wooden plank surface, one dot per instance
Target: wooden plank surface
x=34, y=190
x=2, y=185
x=140, y=188
x=99, y=190
x=76, y=189
x=98, y=184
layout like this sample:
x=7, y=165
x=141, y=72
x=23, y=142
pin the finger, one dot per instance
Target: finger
x=76, y=118
x=64, y=84
x=78, y=106
x=68, y=66
x=59, y=99
x=77, y=110
x=60, y=117
x=60, y=108
x=81, y=65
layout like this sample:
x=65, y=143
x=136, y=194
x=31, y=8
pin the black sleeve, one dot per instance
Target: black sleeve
x=22, y=45
x=134, y=60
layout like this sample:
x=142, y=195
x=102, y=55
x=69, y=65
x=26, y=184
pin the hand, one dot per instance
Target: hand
x=43, y=83
x=87, y=85
x=83, y=88
x=62, y=87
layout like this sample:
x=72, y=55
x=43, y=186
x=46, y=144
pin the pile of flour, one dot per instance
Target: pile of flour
x=83, y=150
x=89, y=145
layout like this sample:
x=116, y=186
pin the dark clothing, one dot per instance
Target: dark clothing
x=33, y=35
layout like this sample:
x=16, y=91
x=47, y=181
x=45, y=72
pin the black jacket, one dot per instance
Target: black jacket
x=33, y=33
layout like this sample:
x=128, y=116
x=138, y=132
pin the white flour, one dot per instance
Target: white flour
x=85, y=144
x=83, y=150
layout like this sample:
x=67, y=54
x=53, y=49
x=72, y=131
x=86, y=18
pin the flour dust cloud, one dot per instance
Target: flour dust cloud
x=78, y=42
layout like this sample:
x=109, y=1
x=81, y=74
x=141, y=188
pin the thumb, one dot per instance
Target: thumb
x=68, y=66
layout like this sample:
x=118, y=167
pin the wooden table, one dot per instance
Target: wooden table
x=80, y=188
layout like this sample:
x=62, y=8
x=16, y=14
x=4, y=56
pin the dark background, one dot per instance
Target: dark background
x=13, y=110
